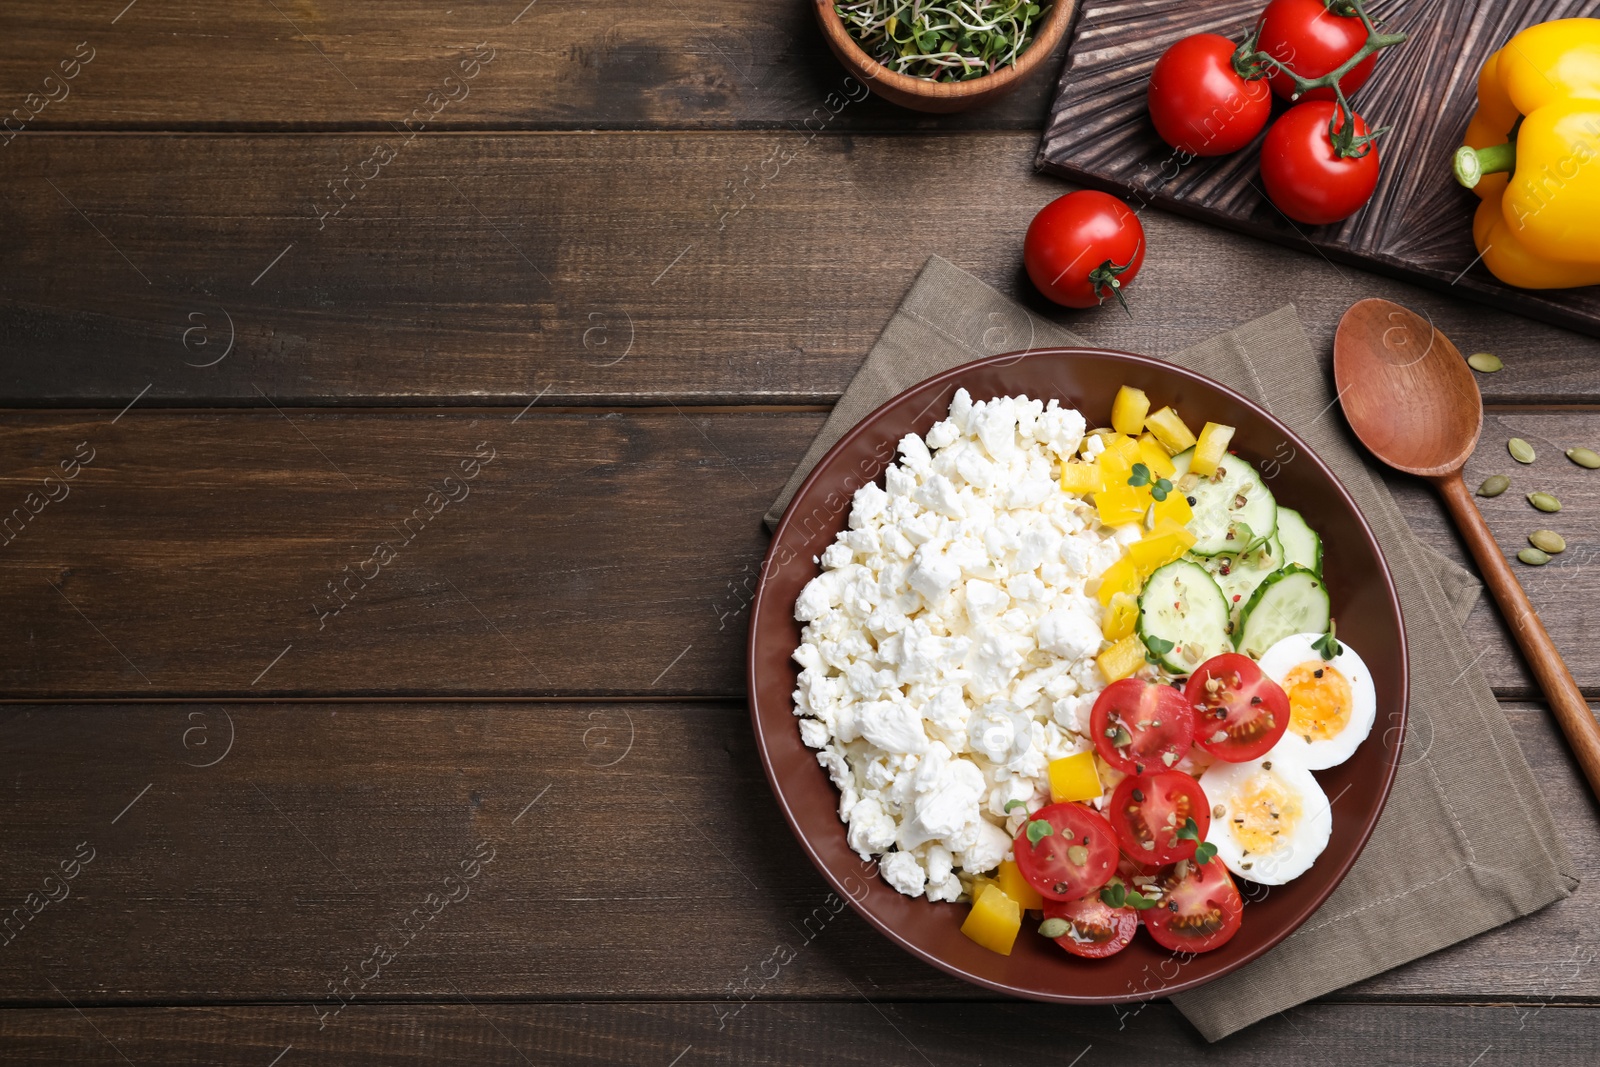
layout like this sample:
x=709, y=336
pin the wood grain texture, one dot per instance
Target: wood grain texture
x=862, y=1031
x=343, y=64
x=490, y=269
x=597, y=554
x=636, y=853
x=1418, y=224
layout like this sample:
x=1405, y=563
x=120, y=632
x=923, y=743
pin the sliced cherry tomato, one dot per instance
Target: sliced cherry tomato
x=1076, y=856
x=1200, y=104
x=1148, y=811
x=1140, y=725
x=1307, y=36
x=1239, y=712
x=1303, y=174
x=1100, y=929
x=1198, y=911
x=1083, y=248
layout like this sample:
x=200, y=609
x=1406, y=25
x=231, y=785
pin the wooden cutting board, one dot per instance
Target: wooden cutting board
x=1418, y=224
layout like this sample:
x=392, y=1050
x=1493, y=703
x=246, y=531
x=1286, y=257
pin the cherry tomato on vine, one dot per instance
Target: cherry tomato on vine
x=1097, y=929
x=1083, y=248
x=1199, y=101
x=1305, y=176
x=1310, y=37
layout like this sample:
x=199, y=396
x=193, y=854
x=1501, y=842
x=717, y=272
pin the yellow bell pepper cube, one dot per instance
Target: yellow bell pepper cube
x=979, y=883
x=1122, y=612
x=994, y=921
x=1119, y=504
x=1082, y=478
x=1121, y=577
x=1170, y=429
x=1210, y=448
x=1009, y=878
x=1174, y=510
x=1129, y=409
x=1074, y=778
x=1121, y=453
x=1159, y=548
x=1122, y=658
x=1153, y=454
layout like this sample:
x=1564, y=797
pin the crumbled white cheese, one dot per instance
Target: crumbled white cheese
x=948, y=647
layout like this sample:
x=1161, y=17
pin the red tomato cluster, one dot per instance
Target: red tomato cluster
x=1138, y=862
x=1208, y=99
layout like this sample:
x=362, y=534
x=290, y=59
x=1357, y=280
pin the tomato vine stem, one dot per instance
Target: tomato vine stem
x=1252, y=64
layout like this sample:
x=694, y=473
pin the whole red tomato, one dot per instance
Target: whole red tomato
x=1084, y=247
x=1200, y=104
x=1308, y=37
x=1308, y=180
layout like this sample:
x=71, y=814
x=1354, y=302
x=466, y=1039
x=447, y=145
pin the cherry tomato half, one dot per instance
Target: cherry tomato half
x=1307, y=36
x=1100, y=929
x=1239, y=713
x=1197, y=912
x=1076, y=857
x=1147, y=812
x=1200, y=104
x=1082, y=248
x=1140, y=725
x=1305, y=177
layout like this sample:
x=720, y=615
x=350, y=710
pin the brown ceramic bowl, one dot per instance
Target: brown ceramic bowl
x=1363, y=601
x=920, y=94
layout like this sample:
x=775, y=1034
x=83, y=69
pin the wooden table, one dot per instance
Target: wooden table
x=591, y=274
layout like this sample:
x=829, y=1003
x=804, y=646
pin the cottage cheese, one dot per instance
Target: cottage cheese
x=948, y=648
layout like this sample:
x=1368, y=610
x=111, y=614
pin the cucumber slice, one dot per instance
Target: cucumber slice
x=1182, y=461
x=1240, y=574
x=1300, y=542
x=1233, y=510
x=1292, y=600
x=1182, y=611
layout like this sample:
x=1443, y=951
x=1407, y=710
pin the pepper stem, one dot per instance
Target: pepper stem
x=1471, y=164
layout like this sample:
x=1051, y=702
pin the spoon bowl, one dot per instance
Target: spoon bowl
x=1412, y=400
x=1407, y=392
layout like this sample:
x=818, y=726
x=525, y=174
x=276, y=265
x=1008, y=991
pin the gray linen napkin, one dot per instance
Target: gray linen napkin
x=1427, y=878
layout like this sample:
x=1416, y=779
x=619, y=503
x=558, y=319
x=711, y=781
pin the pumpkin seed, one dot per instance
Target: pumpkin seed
x=1054, y=927
x=1077, y=855
x=1521, y=451
x=1487, y=362
x=1494, y=485
x=1544, y=501
x=1584, y=457
x=1533, y=557
x=1548, y=541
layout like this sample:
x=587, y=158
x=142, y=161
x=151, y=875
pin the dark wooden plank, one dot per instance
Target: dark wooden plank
x=603, y=554
x=600, y=269
x=343, y=64
x=1418, y=224
x=637, y=852
x=863, y=1031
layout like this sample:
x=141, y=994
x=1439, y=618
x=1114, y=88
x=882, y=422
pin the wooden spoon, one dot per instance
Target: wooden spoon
x=1412, y=400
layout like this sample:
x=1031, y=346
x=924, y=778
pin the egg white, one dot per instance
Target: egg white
x=1299, y=842
x=1292, y=651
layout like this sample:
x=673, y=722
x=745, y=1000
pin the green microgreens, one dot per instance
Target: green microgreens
x=1327, y=646
x=1159, y=487
x=1203, y=850
x=1015, y=804
x=949, y=41
x=1038, y=828
x=1156, y=646
x=1117, y=895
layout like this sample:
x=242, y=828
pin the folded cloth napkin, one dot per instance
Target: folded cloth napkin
x=1431, y=875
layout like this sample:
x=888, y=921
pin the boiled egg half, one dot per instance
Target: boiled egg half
x=1332, y=703
x=1270, y=820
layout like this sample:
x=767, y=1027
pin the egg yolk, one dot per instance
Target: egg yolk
x=1319, y=700
x=1262, y=810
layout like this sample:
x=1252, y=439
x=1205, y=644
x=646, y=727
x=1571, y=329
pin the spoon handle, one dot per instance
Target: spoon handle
x=1566, y=701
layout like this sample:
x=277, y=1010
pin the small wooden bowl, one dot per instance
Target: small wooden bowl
x=919, y=94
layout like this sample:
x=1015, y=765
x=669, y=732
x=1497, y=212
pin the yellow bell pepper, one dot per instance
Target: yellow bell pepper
x=1538, y=226
x=1154, y=456
x=1010, y=880
x=1082, y=478
x=1122, y=658
x=1121, y=577
x=1074, y=778
x=1129, y=409
x=1122, y=614
x=994, y=921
